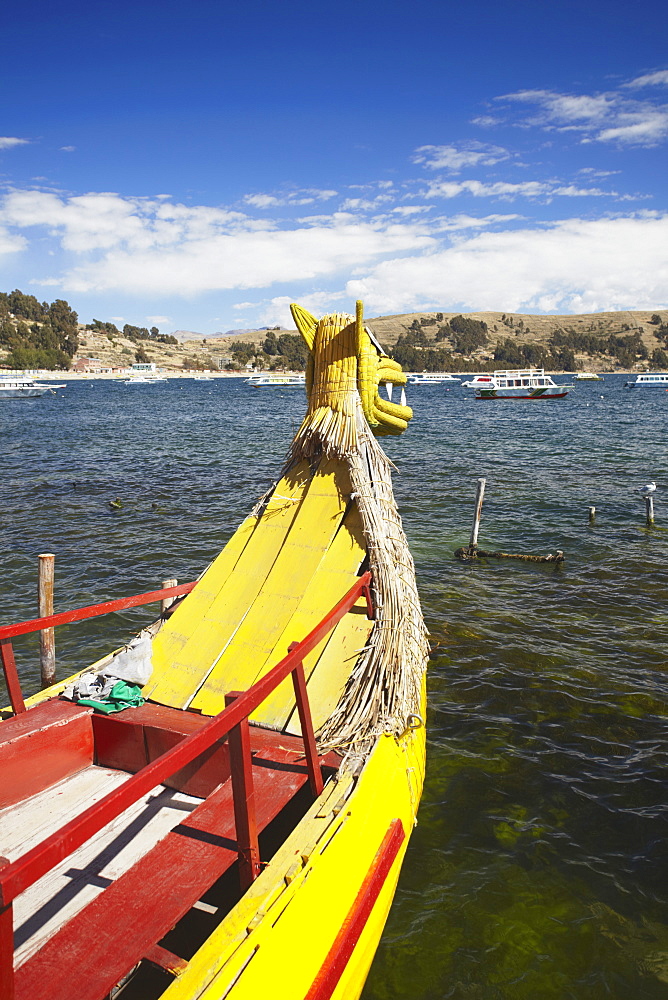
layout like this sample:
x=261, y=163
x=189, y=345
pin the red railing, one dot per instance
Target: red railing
x=8, y=632
x=19, y=875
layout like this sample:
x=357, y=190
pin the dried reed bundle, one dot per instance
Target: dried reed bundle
x=384, y=687
x=329, y=426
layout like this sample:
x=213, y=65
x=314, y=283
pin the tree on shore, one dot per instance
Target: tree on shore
x=32, y=358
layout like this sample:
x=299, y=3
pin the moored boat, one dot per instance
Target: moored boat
x=431, y=378
x=588, y=377
x=649, y=380
x=240, y=833
x=23, y=387
x=477, y=381
x=520, y=383
x=275, y=379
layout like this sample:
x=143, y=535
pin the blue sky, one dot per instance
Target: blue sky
x=199, y=166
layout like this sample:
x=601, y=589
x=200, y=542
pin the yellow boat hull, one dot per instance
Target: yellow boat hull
x=278, y=940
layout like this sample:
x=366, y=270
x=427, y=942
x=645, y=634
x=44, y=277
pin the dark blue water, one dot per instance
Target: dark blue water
x=538, y=866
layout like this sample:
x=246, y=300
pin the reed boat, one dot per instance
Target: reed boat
x=237, y=827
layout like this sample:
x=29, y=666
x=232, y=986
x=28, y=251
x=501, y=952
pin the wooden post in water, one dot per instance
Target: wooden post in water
x=47, y=639
x=168, y=601
x=592, y=515
x=473, y=543
x=649, y=509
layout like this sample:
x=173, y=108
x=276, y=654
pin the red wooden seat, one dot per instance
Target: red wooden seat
x=105, y=940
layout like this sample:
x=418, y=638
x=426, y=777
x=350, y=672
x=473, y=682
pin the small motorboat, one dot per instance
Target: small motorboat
x=231, y=820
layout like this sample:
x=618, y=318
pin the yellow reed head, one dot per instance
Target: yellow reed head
x=346, y=359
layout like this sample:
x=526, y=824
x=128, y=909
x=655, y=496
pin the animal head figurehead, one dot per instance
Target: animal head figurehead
x=345, y=368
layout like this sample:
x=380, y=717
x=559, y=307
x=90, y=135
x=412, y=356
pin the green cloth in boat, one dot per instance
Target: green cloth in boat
x=121, y=696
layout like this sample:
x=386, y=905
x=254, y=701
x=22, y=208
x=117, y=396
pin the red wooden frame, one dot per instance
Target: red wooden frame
x=8, y=632
x=19, y=875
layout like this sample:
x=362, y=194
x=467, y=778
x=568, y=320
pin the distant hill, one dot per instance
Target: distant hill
x=184, y=335
x=606, y=341
x=633, y=340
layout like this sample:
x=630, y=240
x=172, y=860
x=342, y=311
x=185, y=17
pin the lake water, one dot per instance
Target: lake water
x=538, y=866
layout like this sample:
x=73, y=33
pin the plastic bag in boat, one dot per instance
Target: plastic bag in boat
x=133, y=663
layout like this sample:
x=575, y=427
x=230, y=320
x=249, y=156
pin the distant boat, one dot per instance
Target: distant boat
x=588, y=377
x=521, y=383
x=282, y=381
x=23, y=387
x=203, y=378
x=649, y=380
x=477, y=381
x=142, y=380
x=431, y=378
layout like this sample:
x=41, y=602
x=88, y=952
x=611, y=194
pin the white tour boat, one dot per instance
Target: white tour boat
x=520, y=383
x=431, y=378
x=23, y=387
x=649, y=380
x=282, y=381
x=588, y=377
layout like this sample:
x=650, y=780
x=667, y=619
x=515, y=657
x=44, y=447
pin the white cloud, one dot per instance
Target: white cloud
x=646, y=129
x=304, y=196
x=11, y=242
x=146, y=246
x=575, y=265
x=608, y=117
x=411, y=209
x=157, y=319
x=650, y=79
x=9, y=142
x=594, y=172
x=459, y=222
x=487, y=121
x=456, y=158
x=365, y=204
x=276, y=312
x=67, y=149
x=104, y=221
x=565, y=107
x=262, y=200
x=508, y=191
